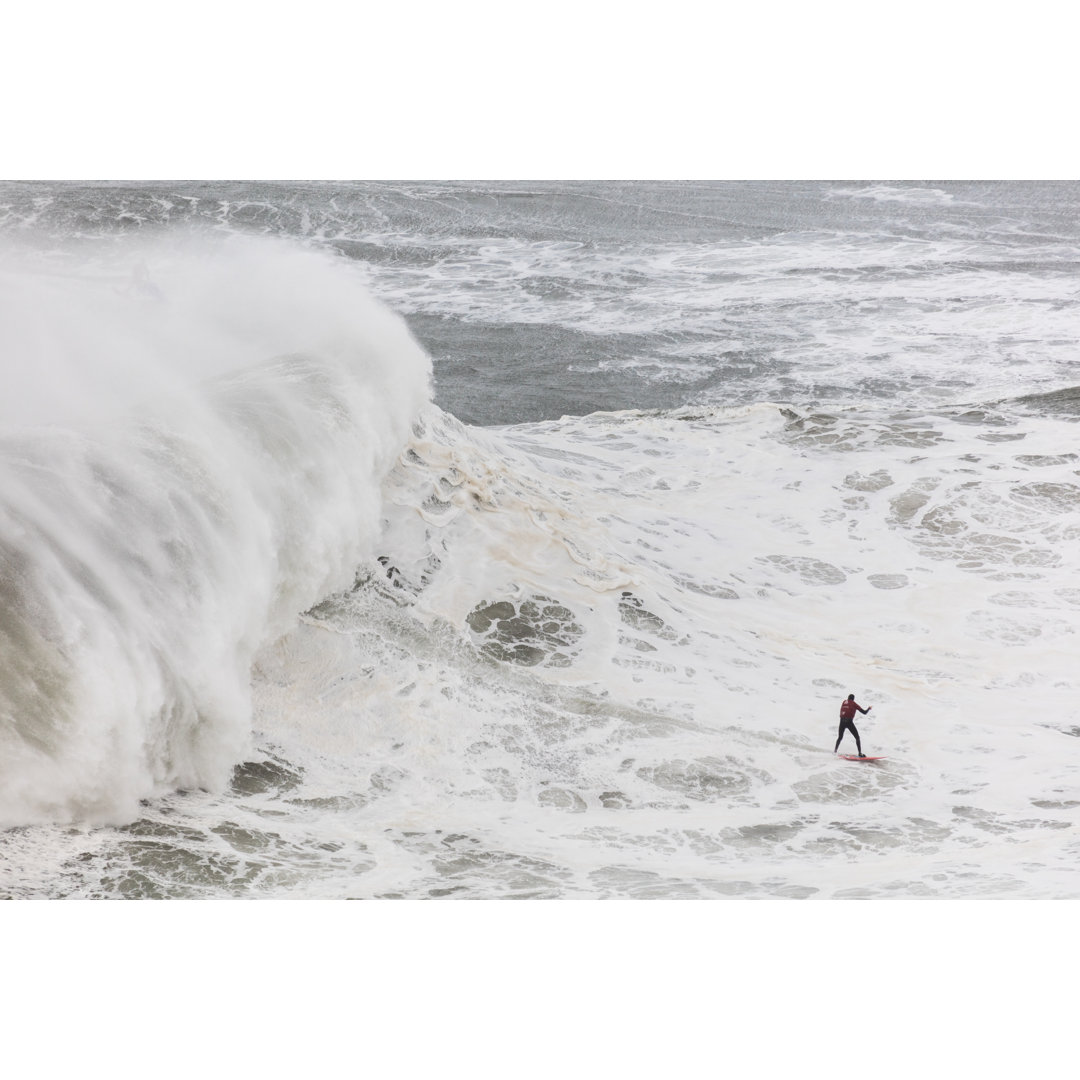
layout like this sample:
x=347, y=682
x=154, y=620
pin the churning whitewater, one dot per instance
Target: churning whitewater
x=482, y=541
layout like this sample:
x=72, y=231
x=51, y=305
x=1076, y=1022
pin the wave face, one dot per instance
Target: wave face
x=187, y=459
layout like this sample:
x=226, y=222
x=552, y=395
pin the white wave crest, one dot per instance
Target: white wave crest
x=885, y=193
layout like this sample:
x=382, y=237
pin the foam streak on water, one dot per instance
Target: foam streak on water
x=291, y=629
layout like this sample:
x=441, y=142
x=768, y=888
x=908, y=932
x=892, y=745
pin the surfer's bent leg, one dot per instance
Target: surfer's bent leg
x=858, y=744
x=839, y=736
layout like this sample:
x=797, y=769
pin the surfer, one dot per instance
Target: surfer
x=847, y=715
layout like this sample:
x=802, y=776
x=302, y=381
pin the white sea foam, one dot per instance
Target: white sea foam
x=565, y=677
x=552, y=638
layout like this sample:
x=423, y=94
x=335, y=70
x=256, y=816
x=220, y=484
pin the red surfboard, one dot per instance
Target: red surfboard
x=855, y=757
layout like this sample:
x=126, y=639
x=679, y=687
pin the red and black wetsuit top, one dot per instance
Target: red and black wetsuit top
x=848, y=710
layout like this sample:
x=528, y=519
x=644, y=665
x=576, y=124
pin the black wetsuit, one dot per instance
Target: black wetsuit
x=847, y=723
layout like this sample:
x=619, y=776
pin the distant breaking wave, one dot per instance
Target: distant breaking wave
x=192, y=442
x=884, y=193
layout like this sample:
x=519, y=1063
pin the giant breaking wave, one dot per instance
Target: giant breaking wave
x=193, y=434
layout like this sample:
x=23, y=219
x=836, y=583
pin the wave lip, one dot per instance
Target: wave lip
x=150, y=543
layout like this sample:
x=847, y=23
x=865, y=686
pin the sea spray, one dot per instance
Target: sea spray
x=223, y=413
